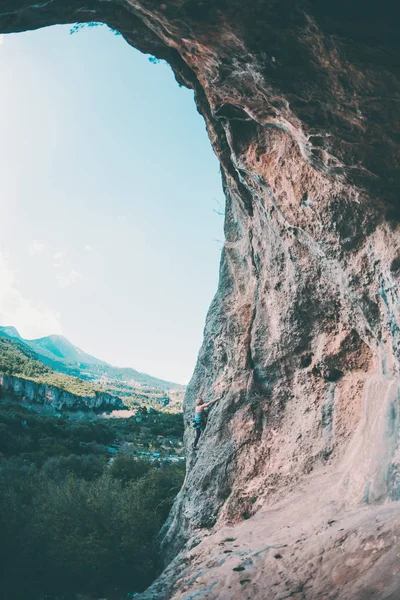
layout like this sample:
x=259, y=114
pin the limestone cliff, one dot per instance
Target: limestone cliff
x=301, y=102
x=41, y=393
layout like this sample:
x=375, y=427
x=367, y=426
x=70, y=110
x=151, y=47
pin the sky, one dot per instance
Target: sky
x=109, y=201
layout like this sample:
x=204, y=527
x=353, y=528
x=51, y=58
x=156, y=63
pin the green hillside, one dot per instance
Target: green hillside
x=18, y=359
x=83, y=496
x=46, y=361
x=61, y=355
x=57, y=347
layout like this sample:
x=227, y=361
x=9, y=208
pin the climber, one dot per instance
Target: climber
x=199, y=421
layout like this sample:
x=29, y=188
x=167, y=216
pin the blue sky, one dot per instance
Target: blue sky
x=108, y=193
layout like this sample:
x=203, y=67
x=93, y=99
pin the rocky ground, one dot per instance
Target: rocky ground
x=299, y=548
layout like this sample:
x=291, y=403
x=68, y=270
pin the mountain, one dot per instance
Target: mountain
x=61, y=355
x=10, y=332
x=23, y=375
x=58, y=348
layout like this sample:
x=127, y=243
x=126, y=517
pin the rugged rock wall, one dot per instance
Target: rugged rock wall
x=40, y=393
x=301, y=101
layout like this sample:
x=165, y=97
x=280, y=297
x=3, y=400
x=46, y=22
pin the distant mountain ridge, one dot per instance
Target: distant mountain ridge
x=57, y=347
x=10, y=332
x=61, y=355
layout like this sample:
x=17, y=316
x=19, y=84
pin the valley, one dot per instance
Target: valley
x=58, y=368
x=89, y=468
x=84, y=494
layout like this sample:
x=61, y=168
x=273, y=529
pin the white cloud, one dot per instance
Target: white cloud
x=66, y=274
x=88, y=248
x=36, y=248
x=1, y=39
x=67, y=278
x=31, y=319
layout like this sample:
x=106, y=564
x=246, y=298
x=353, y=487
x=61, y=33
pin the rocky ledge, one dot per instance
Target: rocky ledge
x=40, y=393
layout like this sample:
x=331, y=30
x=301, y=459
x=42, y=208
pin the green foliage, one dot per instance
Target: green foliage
x=18, y=359
x=34, y=437
x=81, y=536
x=167, y=424
x=90, y=25
x=72, y=523
x=87, y=467
x=73, y=385
x=156, y=398
x=126, y=468
x=79, y=26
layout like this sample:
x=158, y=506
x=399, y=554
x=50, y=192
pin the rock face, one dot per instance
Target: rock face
x=301, y=101
x=40, y=393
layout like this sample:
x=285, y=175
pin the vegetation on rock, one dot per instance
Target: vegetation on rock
x=18, y=359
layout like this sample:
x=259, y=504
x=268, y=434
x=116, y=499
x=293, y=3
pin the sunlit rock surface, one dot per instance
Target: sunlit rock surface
x=300, y=462
x=30, y=391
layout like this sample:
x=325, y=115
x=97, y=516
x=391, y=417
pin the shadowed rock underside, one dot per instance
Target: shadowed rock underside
x=300, y=461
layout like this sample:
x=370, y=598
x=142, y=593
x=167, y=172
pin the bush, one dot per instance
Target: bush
x=70, y=523
x=167, y=424
x=77, y=535
x=127, y=468
x=87, y=467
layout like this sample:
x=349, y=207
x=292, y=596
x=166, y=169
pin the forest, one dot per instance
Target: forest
x=80, y=518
